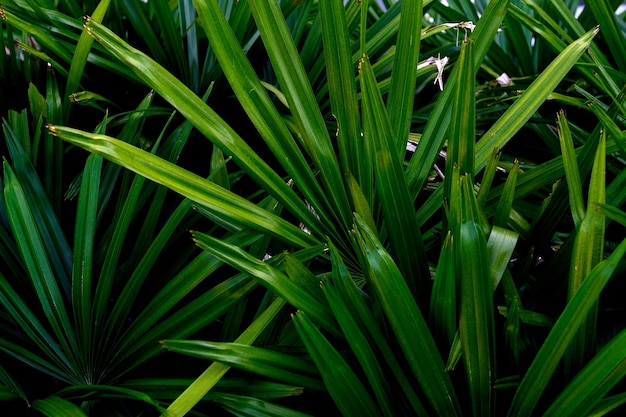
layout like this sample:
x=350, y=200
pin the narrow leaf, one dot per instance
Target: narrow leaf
x=476, y=316
x=196, y=188
x=270, y=277
x=594, y=381
x=572, y=173
x=542, y=368
x=407, y=323
x=293, y=79
x=81, y=53
x=276, y=365
x=393, y=193
x=404, y=74
x=588, y=252
x=527, y=104
x=207, y=380
x=57, y=407
x=343, y=385
x=202, y=117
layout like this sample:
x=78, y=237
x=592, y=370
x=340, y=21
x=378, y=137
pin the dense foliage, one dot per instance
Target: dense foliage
x=298, y=207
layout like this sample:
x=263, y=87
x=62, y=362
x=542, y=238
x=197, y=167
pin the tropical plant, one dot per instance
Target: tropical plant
x=83, y=303
x=430, y=253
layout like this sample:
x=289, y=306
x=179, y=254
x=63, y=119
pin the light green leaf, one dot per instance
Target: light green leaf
x=198, y=189
x=500, y=246
x=203, y=118
x=57, y=407
x=527, y=104
x=276, y=365
x=207, y=380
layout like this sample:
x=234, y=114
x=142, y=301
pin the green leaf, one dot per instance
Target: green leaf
x=476, y=322
x=613, y=213
x=52, y=43
x=253, y=407
x=111, y=391
x=406, y=321
x=58, y=365
x=500, y=246
x=570, y=164
x=202, y=117
x=436, y=128
x=487, y=178
x=588, y=252
x=198, y=189
x=505, y=204
x=263, y=113
x=276, y=365
x=612, y=32
x=391, y=187
x=45, y=215
x=81, y=53
x=443, y=298
x=191, y=316
x=573, y=316
x=594, y=381
x=343, y=385
x=460, y=150
x=608, y=404
x=12, y=389
x=302, y=276
x=342, y=90
x=207, y=380
x=294, y=82
x=53, y=150
x=270, y=277
x=357, y=303
x=403, y=76
x=34, y=255
x=84, y=236
x=360, y=202
x=57, y=407
x=361, y=347
x=527, y=104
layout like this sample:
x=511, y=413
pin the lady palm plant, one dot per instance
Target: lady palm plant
x=75, y=312
x=75, y=308
x=417, y=291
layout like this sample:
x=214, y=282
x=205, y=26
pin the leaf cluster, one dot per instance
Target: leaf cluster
x=392, y=208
